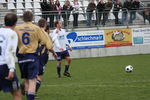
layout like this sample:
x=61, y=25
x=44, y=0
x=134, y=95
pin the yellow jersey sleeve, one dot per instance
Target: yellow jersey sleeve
x=45, y=39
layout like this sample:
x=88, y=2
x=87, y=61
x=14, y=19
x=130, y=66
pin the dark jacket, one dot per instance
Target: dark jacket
x=100, y=7
x=44, y=6
x=66, y=10
x=117, y=6
x=51, y=7
x=91, y=7
x=108, y=6
x=127, y=6
x=135, y=5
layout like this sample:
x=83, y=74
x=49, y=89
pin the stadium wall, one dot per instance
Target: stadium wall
x=131, y=41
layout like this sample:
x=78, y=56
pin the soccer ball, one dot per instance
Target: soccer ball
x=129, y=68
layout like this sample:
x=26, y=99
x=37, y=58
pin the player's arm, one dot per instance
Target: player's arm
x=11, y=54
x=67, y=43
x=45, y=40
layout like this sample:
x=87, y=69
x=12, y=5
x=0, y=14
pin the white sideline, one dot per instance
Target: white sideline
x=106, y=84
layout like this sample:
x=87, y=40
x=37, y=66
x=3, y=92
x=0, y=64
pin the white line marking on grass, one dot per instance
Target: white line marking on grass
x=103, y=84
x=95, y=85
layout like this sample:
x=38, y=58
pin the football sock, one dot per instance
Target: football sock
x=30, y=96
x=66, y=68
x=59, y=71
x=38, y=84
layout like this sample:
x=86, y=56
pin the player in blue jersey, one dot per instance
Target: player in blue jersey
x=8, y=45
x=61, y=47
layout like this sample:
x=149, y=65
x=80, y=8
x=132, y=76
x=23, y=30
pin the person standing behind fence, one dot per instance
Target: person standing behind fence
x=100, y=12
x=51, y=8
x=67, y=8
x=89, y=11
x=76, y=7
x=146, y=14
x=57, y=9
x=117, y=7
x=135, y=7
x=126, y=7
x=44, y=6
x=107, y=9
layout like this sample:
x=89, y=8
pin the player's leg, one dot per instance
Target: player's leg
x=16, y=95
x=43, y=61
x=26, y=86
x=38, y=82
x=31, y=89
x=67, y=64
x=59, y=61
x=59, y=68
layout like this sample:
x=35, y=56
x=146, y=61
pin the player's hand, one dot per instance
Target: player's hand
x=55, y=55
x=10, y=76
x=61, y=49
x=70, y=49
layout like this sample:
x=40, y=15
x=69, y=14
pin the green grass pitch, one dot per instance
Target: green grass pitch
x=101, y=78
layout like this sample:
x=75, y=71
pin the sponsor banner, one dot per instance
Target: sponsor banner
x=138, y=35
x=118, y=37
x=143, y=34
x=86, y=40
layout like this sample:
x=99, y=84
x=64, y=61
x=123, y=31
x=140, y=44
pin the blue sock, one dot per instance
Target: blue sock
x=30, y=96
x=66, y=68
x=59, y=71
x=38, y=84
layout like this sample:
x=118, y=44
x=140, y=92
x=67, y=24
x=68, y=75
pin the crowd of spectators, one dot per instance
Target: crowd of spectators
x=102, y=9
x=53, y=10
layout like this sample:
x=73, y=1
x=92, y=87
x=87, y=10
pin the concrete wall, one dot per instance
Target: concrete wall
x=111, y=51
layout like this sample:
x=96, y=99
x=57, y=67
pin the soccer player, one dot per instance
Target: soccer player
x=8, y=45
x=61, y=48
x=43, y=52
x=29, y=36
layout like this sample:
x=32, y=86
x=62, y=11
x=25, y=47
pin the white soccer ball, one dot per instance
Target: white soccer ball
x=129, y=68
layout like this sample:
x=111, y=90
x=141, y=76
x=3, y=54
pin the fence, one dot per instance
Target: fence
x=89, y=20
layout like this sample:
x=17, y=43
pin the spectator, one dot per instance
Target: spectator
x=107, y=9
x=146, y=13
x=117, y=7
x=100, y=11
x=57, y=9
x=67, y=8
x=44, y=6
x=126, y=7
x=76, y=7
x=91, y=7
x=51, y=8
x=135, y=6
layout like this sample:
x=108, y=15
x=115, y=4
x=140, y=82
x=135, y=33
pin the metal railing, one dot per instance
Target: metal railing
x=90, y=20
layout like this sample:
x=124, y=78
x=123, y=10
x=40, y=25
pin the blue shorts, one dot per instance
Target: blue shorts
x=43, y=59
x=8, y=85
x=29, y=65
x=62, y=55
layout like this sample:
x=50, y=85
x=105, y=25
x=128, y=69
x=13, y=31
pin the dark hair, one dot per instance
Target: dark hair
x=10, y=19
x=27, y=16
x=57, y=22
x=42, y=22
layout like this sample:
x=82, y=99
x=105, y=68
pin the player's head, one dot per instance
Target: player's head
x=58, y=24
x=42, y=23
x=27, y=16
x=10, y=19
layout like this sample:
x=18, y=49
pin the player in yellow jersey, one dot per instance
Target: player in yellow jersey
x=29, y=35
x=43, y=52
